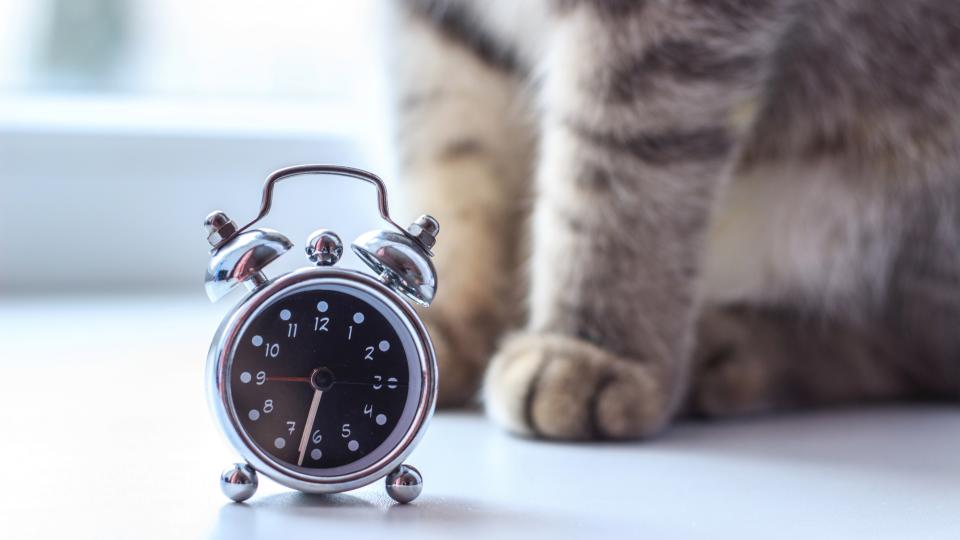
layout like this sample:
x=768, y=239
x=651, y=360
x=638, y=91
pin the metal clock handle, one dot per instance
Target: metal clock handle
x=267, y=200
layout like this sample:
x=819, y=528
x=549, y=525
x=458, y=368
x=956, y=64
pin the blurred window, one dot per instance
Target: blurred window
x=128, y=120
x=243, y=48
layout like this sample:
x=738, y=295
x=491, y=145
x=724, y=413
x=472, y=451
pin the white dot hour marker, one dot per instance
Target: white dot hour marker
x=322, y=306
x=253, y=415
x=285, y=314
x=358, y=317
x=381, y=419
x=245, y=377
x=257, y=341
x=316, y=453
x=384, y=346
x=353, y=445
x=279, y=443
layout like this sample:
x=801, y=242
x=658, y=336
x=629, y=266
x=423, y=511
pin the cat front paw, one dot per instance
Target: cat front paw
x=558, y=387
x=462, y=355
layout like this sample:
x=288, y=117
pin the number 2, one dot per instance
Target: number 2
x=369, y=355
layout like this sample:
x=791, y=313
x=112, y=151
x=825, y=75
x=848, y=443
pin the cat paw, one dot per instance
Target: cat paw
x=460, y=362
x=558, y=387
x=733, y=359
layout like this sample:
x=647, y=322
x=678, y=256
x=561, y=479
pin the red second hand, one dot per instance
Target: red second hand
x=289, y=379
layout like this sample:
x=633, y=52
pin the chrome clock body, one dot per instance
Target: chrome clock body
x=219, y=363
x=331, y=361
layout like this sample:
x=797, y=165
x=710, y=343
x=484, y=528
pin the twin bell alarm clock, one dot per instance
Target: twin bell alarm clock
x=324, y=378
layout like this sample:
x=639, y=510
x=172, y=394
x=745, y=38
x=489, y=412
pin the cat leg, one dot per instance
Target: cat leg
x=465, y=141
x=760, y=359
x=646, y=104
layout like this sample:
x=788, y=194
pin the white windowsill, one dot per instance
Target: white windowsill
x=229, y=118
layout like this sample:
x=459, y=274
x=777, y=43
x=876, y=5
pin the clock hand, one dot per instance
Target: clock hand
x=311, y=416
x=288, y=379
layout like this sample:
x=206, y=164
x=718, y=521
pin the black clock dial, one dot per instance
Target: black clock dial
x=320, y=377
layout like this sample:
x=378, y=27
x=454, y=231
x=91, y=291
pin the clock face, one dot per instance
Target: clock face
x=325, y=378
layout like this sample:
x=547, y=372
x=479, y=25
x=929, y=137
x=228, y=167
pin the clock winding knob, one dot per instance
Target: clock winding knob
x=425, y=230
x=324, y=247
x=219, y=228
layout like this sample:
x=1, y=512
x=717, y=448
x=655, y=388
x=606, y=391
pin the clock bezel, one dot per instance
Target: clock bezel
x=263, y=462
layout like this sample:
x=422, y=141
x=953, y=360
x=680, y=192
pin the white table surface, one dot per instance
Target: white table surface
x=105, y=434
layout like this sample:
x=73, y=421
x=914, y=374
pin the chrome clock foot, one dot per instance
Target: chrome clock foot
x=404, y=484
x=239, y=482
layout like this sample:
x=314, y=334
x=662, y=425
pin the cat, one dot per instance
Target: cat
x=662, y=208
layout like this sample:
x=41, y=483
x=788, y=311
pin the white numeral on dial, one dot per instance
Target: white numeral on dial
x=261, y=378
x=272, y=350
x=268, y=406
x=320, y=324
x=345, y=431
x=291, y=330
x=291, y=426
x=369, y=353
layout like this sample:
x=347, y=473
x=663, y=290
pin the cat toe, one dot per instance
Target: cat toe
x=558, y=387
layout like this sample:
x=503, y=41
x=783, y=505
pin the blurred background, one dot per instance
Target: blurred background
x=124, y=122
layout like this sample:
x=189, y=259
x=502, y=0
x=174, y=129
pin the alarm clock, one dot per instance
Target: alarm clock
x=324, y=378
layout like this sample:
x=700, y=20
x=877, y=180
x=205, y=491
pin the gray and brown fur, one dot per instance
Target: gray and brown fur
x=663, y=207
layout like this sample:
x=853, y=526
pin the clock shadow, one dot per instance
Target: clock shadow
x=294, y=514
x=295, y=501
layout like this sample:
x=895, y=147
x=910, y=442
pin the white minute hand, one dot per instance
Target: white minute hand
x=311, y=416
